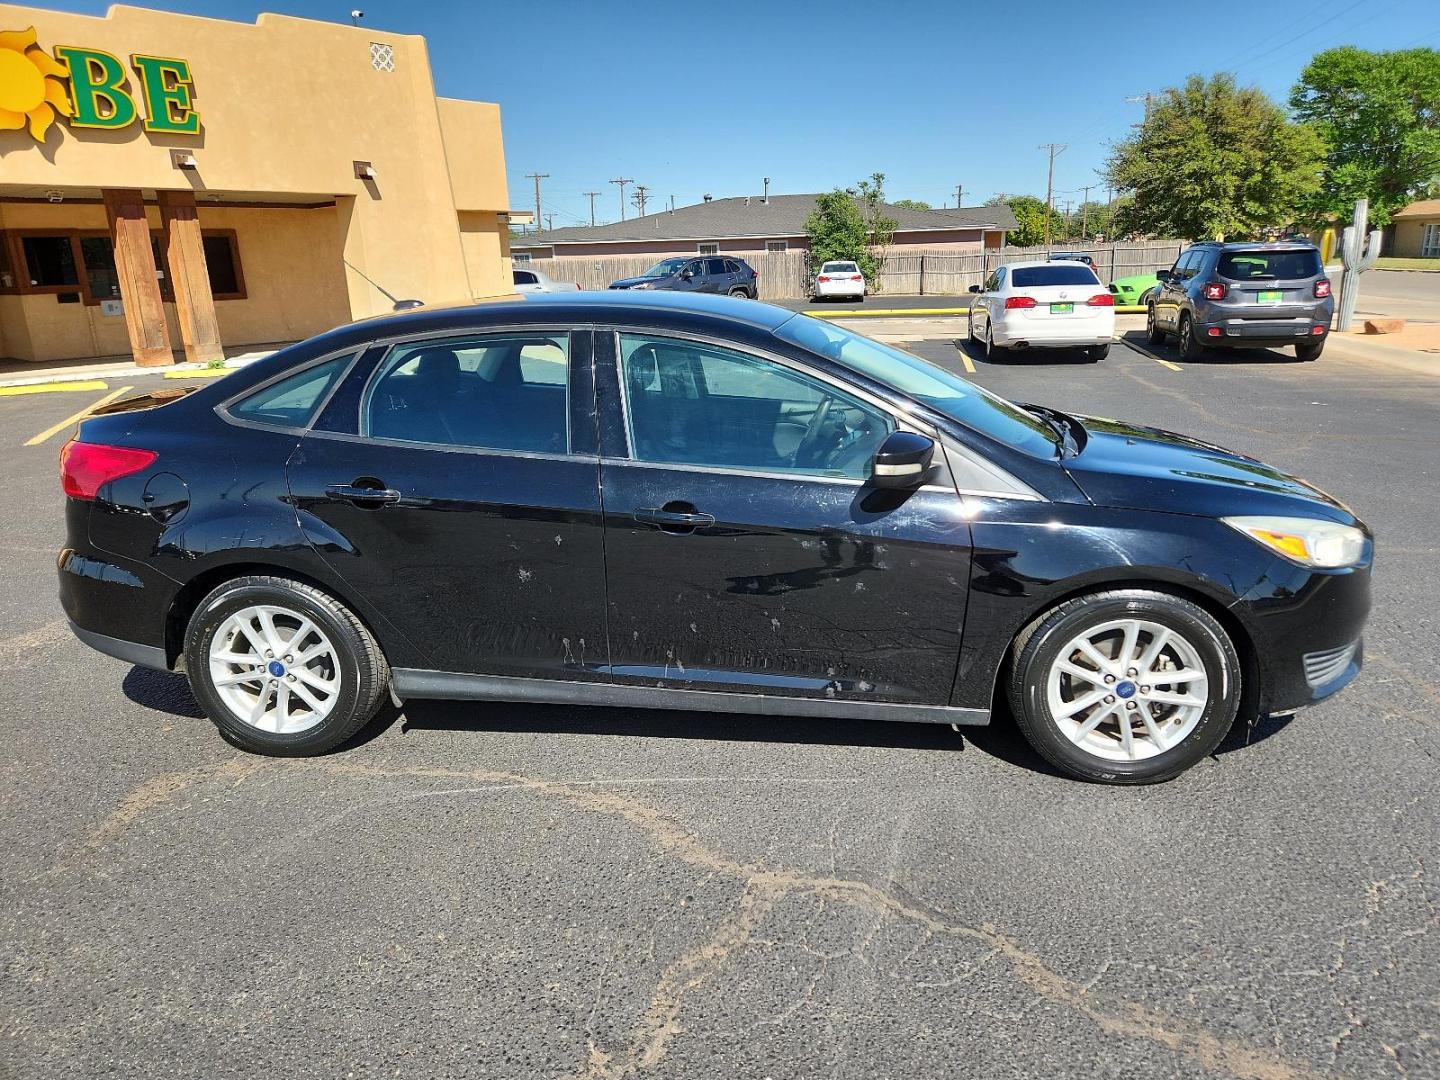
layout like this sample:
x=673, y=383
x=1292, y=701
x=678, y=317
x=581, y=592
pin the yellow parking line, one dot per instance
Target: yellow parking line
x=197, y=373
x=51, y=387
x=81, y=415
x=969, y=364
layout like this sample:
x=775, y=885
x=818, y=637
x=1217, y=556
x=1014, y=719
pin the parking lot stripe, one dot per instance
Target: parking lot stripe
x=969, y=364
x=1150, y=355
x=81, y=415
x=51, y=387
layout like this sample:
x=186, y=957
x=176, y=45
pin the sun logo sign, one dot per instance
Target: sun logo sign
x=31, y=92
x=100, y=94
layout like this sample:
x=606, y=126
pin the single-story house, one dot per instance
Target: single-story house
x=753, y=224
x=1416, y=231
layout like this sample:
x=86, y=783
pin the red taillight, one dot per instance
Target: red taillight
x=1215, y=291
x=1214, y=331
x=87, y=467
x=822, y=278
x=857, y=277
x=1103, y=299
x=1322, y=287
x=1317, y=330
x=1012, y=302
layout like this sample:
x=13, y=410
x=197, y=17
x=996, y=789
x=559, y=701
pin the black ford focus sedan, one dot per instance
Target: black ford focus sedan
x=689, y=503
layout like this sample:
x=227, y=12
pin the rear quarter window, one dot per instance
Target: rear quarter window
x=1279, y=265
x=292, y=401
x=1074, y=273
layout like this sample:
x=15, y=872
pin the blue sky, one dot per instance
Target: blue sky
x=696, y=97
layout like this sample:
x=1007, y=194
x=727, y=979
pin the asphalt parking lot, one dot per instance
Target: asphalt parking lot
x=545, y=891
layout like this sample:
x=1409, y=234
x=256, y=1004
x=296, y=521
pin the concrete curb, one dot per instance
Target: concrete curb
x=58, y=379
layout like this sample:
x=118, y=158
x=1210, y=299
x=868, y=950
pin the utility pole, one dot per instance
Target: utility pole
x=1085, y=211
x=959, y=196
x=640, y=197
x=549, y=222
x=537, y=177
x=622, y=181
x=672, y=204
x=592, y=195
x=1052, y=149
x=1148, y=99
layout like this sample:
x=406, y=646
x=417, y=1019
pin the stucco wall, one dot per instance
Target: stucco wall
x=1410, y=237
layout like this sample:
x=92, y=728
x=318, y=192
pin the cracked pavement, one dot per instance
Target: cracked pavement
x=545, y=891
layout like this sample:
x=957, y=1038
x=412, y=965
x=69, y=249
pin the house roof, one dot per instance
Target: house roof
x=752, y=216
x=1423, y=208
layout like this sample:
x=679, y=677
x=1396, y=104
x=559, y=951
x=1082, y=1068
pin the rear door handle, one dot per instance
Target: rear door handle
x=677, y=521
x=363, y=496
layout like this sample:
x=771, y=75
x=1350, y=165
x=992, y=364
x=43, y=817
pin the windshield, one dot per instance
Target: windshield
x=1296, y=263
x=1060, y=273
x=971, y=405
x=665, y=267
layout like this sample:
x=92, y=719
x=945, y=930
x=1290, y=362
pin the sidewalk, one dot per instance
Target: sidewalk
x=1415, y=349
x=19, y=373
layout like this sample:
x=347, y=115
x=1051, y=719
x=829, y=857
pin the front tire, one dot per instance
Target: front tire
x=282, y=668
x=1129, y=686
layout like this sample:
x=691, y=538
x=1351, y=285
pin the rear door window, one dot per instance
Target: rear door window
x=497, y=392
x=1061, y=273
x=715, y=267
x=1269, y=265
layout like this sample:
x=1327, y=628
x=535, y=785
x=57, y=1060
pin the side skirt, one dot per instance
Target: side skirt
x=419, y=683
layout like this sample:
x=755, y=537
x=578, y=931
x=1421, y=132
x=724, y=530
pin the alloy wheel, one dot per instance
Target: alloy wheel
x=274, y=669
x=1127, y=689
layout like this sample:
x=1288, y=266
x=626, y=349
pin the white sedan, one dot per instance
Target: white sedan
x=1043, y=305
x=528, y=280
x=839, y=280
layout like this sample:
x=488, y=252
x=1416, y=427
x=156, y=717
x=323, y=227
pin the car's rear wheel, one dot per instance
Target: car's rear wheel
x=281, y=667
x=1154, y=336
x=993, y=353
x=970, y=330
x=1190, y=347
x=1310, y=350
x=1125, y=687
x=740, y=294
x=1097, y=352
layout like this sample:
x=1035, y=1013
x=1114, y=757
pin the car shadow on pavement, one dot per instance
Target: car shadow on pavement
x=1136, y=339
x=1014, y=358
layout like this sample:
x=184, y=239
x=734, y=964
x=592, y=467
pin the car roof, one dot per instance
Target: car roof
x=1258, y=245
x=1034, y=263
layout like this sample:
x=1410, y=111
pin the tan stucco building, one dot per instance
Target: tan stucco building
x=176, y=184
x=1416, y=231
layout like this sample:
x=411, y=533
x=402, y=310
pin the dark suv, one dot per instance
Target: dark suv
x=1243, y=296
x=722, y=274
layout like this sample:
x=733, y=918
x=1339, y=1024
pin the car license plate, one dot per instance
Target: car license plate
x=1270, y=297
x=1061, y=309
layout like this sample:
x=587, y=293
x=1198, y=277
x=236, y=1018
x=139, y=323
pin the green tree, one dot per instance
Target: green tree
x=913, y=204
x=1030, y=215
x=879, y=228
x=1379, y=113
x=836, y=230
x=1215, y=160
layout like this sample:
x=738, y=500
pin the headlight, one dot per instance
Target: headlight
x=1325, y=545
x=642, y=285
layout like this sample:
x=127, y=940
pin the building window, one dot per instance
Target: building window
x=8, y=281
x=520, y=257
x=382, y=56
x=98, y=255
x=1430, y=248
x=777, y=245
x=222, y=259
x=708, y=249
x=50, y=262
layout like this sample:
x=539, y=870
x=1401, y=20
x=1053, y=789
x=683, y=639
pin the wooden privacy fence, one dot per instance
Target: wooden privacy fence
x=784, y=275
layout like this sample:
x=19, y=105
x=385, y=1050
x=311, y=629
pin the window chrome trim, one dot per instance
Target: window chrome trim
x=222, y=409
x=452, y=448
x=539, y=329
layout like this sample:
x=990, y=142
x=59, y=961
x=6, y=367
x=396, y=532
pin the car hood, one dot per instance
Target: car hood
x=1146, y=468
x=631, y=282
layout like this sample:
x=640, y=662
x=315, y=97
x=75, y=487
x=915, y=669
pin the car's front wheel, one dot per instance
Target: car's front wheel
x=281, y=667
x=1125, y=687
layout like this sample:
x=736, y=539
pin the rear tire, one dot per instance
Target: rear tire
x=1310, y=350
x=994, y=354
x=247, y=645
x=1043, y=688
x=1154, y=336
x=1097, y=352
x=1190, y=347
x=739, y=294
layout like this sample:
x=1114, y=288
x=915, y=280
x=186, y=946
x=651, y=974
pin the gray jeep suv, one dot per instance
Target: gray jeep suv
x=1243, y=296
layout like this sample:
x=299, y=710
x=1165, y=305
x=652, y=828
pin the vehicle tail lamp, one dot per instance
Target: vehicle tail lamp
x=87, y=467
x=1325, y=545
x=1316, y=331
x=1322, y=287
x=1214, y=331
x=823, y=278
x=1013, y=302
x=1103, y=299
x=857, y=277
x=1215, y=291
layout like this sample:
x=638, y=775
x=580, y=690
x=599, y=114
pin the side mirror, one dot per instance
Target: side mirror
x=1164, y=275
x=976, y=288
x=687, y=275
x=903, y=460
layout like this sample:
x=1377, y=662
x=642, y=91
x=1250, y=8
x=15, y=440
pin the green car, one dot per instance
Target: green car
x=1135, y=290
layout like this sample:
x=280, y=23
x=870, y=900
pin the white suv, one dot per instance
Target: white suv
x=1043, y=305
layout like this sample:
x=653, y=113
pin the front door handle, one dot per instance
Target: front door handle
x=366, y=496
x=674, y=517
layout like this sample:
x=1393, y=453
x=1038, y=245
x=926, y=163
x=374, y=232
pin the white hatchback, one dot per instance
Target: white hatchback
x=839, y=280
x=1043, y=305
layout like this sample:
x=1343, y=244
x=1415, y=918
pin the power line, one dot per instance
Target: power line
x=1053, y=148
x=622, y=181
x=640, y=197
